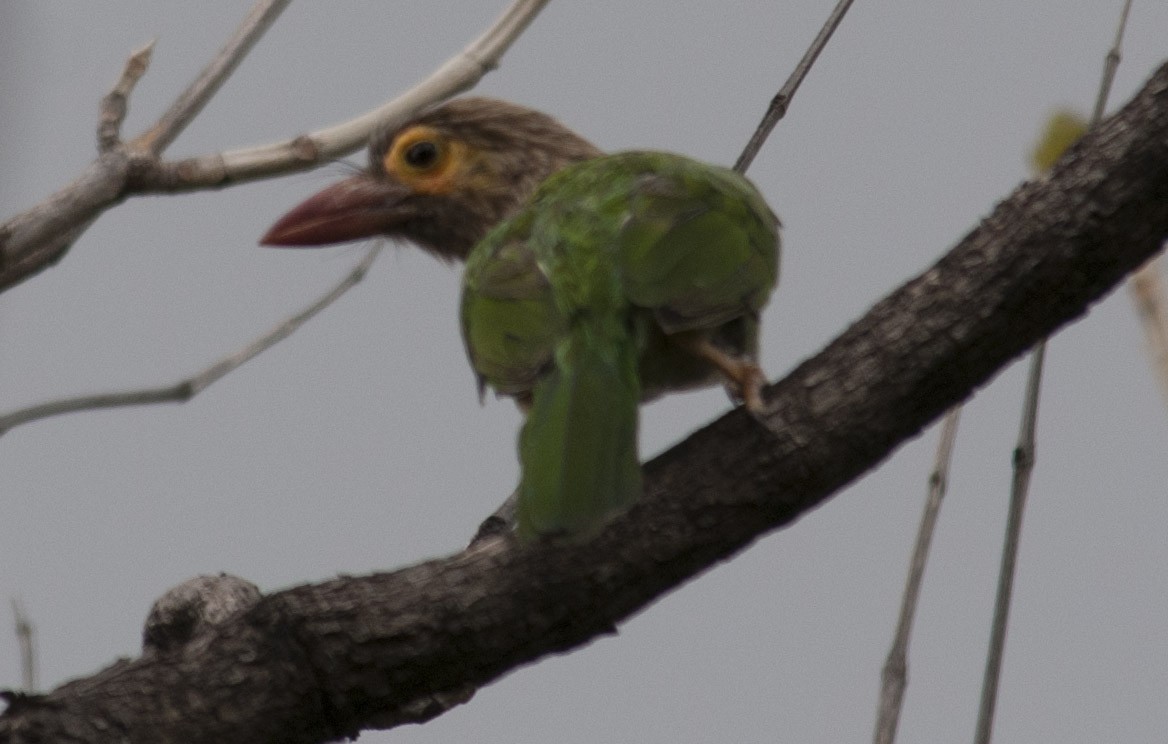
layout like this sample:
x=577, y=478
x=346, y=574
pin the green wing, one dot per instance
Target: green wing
x=699, y=245
x=510, y=321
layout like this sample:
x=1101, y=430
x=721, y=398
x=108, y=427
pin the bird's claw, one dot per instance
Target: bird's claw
x=745, y=385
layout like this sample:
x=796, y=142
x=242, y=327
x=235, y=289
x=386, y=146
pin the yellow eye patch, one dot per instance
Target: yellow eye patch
x=425, y=159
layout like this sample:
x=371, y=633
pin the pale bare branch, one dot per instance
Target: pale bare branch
x=1023, y=463
x=192, y=100
x=461, y=72
x=1024, y=456
x=115, y=103
x=38, y=237
x=192, y=386
x=894, y=678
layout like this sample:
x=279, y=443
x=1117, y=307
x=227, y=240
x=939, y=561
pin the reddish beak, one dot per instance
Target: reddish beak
x=358, y=207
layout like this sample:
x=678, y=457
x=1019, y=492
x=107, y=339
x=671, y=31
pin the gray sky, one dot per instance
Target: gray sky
x=359, y=444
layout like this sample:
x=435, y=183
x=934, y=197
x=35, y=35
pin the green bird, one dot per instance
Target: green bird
x=595, y=282
x=623, y=277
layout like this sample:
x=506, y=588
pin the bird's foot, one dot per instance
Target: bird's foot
x=748, y=387
x=743, y=378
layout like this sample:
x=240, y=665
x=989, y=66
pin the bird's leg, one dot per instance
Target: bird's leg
x=744, y=378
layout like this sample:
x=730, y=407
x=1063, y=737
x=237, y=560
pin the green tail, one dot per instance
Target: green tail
x=578, y=448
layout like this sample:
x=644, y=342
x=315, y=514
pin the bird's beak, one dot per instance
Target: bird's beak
x=358, y=207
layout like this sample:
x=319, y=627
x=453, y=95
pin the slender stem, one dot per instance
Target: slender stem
x=460, y=72
x=894, y=678
x=26, y=638
x=1024, y=457
x=1111, y=64
x=192, y=100
x=782, y=100
x=192, y=386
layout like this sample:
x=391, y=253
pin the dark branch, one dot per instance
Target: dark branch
x=323, y=661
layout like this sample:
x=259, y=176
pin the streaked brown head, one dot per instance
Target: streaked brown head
x=442, y=180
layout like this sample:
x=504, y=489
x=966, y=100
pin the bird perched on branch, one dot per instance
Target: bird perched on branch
x=595, y=282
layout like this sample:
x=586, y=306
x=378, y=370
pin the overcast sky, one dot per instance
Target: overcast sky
x=359, y=444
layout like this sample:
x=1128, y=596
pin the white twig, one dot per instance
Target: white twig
x=458, y=74
x=192, y=386
x=192, y=100
x=1024, y=456
x=115, y=103
x=894, y=678
x=461, y=72
x=38, y=237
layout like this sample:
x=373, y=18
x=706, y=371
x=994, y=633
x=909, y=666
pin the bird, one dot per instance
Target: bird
x=622, y=277
x=593, y=282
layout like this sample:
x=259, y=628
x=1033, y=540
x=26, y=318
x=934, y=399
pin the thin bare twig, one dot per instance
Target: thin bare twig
x=26, y=638
x=192, y=100
x=115, y=103
x=459, y=73
x=1024, y=456
x=894, y=678
x=192, y=386
x=782, y=100
x=1023, y=463
x=1111, y=64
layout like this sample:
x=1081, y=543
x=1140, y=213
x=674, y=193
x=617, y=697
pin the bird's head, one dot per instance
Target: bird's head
x=442, y=180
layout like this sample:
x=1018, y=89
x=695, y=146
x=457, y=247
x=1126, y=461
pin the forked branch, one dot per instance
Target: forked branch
x=38, y=237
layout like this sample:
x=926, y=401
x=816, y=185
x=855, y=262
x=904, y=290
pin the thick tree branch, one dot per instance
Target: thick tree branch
x=38, y=237
x=320, y=662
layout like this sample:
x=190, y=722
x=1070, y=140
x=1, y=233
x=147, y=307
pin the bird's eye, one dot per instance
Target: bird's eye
x=421, y=154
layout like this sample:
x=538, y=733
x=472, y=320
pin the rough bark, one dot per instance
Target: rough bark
x=323, y=661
